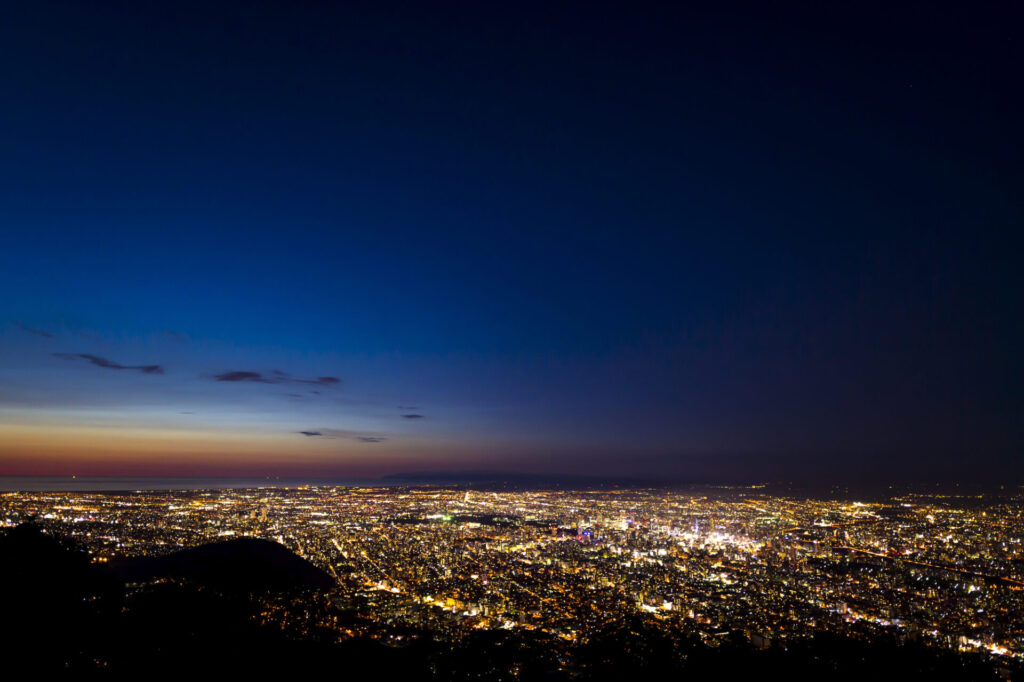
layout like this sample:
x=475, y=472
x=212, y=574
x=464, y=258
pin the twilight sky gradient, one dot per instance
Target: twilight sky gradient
x=716, y=244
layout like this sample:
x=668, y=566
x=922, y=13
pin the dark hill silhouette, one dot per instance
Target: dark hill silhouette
x=61, y=614
x=240, y=565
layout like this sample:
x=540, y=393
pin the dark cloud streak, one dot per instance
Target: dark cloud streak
x=243, y=376
x=37, y=332
x=110, y=364
x=319, y=381
x=275, y=377
x=331, y=434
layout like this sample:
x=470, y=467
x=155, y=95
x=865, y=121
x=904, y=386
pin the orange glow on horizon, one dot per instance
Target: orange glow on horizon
x=66, y=450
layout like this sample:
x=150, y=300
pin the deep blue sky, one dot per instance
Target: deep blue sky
x=728, y=243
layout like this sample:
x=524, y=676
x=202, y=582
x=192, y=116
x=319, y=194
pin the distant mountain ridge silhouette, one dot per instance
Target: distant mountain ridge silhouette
x=238, y=565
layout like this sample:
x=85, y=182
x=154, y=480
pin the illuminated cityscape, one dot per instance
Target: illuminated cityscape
x=943, y=570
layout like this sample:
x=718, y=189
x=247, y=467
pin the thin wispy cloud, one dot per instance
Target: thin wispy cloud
x=275, y=377
x=178, y=337
x=110, y=364
x=243, y=376
x=346, y=434
x=38, y=332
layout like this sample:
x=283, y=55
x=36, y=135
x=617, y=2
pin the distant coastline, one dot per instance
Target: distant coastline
x=504, y=481
x=157, y=483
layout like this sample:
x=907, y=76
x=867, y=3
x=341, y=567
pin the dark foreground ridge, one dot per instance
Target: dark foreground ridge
x=240, y=565
x=252, y=607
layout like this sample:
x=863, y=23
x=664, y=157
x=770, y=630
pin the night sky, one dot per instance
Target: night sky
x=730, y=243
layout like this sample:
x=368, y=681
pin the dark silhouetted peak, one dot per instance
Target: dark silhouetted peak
x=241, y=565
